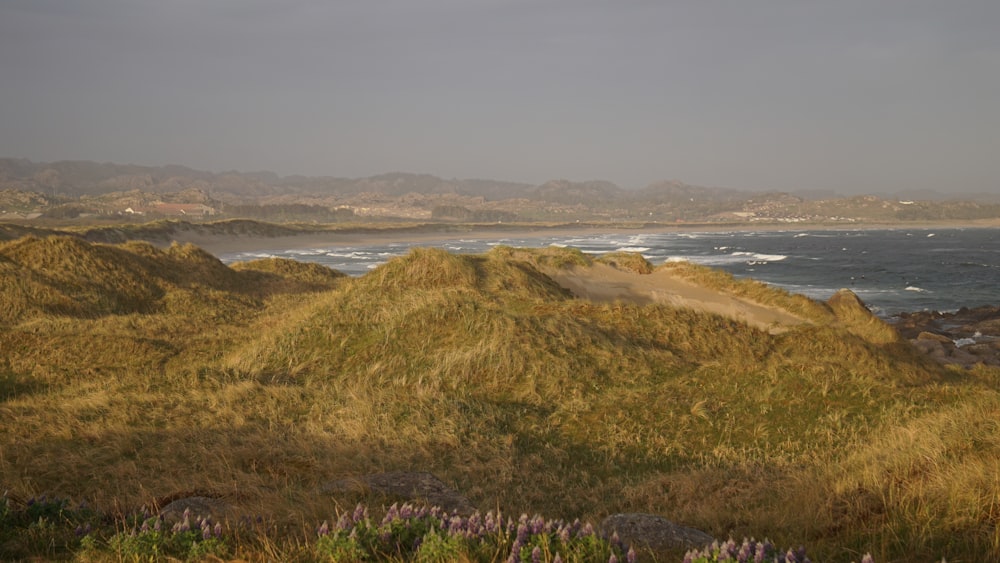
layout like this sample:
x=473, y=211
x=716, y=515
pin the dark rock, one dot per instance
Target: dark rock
x=408, y=486
x=935, y=337
x=216, y=509
x=966, y=337
x=657, y=534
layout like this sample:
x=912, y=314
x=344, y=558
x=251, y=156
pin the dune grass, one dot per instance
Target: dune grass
x=130, y=373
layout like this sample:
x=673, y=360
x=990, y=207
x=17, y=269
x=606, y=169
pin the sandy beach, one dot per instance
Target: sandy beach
x=226, y=243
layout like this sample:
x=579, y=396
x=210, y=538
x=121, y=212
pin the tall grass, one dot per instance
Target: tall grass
x=263, y=381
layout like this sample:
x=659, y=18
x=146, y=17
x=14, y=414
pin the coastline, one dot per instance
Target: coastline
x=226, y=243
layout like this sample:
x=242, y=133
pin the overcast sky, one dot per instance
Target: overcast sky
x=849, y=95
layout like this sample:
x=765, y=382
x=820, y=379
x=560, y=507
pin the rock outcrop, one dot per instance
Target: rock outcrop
x=653, y=533
x=407, y=486
x=966, y=337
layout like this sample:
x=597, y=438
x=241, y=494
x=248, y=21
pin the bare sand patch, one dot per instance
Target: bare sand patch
x=605, y=284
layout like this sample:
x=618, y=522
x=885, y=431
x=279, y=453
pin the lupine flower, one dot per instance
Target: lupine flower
x=557, y=559
x=631, y=556
x=344, y=522
x=360, y=513
x=612, y=559
x=455, y=525
x=868, y=558
x=761, y=552
x=564, y=534
x=218, y=530
x=537, y=525
x=324, y=529
x=391, y=514
x=522, y=533
x=406, y=511
x=536, y=555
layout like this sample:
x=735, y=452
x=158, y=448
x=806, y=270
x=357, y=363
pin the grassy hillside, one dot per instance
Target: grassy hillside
x=130, y=373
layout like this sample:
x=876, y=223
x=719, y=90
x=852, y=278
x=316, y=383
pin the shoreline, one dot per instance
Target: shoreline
x=224, y=243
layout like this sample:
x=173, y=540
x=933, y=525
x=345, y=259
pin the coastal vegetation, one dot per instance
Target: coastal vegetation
x=131, y=373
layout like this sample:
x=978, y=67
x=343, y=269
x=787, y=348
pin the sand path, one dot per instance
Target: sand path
x=605, y=284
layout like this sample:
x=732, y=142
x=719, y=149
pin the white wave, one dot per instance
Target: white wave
x=676, y=259
x=351, y=254
x=930, y=235
x=639, y=249
x=757, y=258
x=801, y=235
x=917, y=289
x=770, y=257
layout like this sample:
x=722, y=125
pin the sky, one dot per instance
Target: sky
x=856, y=96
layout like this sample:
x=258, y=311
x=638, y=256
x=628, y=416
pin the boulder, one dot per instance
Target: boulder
x=654, y=533
x=215, y=509
x=408, y=486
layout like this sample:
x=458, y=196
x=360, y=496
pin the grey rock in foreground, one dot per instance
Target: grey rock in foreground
x=216, y=509
x=648, y=531
x=410, y=486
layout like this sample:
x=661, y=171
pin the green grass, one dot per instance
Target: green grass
x=130, y=373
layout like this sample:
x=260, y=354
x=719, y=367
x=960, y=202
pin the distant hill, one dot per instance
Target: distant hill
x=69, y=190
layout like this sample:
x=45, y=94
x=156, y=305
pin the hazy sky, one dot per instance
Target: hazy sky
x=852, y=95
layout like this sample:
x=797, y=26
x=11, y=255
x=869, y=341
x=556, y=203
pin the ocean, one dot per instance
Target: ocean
x=891, y=270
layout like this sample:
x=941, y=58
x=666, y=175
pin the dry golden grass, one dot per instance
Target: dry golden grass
x=130, y=373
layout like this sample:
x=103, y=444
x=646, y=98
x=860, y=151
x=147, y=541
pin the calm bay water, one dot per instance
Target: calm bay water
x=892, y=270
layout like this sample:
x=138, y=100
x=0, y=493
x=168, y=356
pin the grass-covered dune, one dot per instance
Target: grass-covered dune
x=130, y=373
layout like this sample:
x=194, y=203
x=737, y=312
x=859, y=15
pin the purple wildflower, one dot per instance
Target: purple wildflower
x=323, y=529
x=455, y=525
x=564, y=534
x=613, y=558
x=631, y=556
x=218, y=530
x=391, y=514
x=522, y=533
x=868, y=558
x=360, y=513
x=537, y=525
x=762, y=549
x=536, y=555
x=344, y=522
x=490, y=524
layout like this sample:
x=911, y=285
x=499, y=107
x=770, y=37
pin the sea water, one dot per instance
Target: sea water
x=891, y=270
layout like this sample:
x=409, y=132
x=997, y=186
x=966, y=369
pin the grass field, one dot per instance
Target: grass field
x=130, y=373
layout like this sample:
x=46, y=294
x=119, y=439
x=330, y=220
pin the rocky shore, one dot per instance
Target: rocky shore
x=966, y=337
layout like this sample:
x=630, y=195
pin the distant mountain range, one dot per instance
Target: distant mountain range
x=106, y=188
